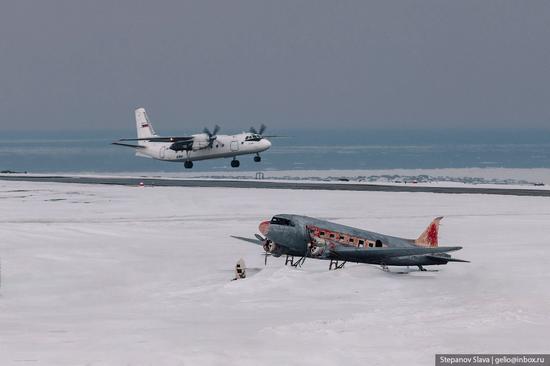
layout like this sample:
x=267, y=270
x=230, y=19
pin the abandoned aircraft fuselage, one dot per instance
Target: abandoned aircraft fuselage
x=304, y=236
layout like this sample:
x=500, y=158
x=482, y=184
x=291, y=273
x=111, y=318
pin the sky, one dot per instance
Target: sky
x=85, y=65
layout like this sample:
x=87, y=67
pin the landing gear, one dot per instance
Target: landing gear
x=336, y=264
x=298, y=263
x=188, y=164
x=422, y=269
x=257, y=158
x=235, y=163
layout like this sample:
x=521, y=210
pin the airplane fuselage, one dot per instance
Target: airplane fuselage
x=306, y=236
x=225, y=146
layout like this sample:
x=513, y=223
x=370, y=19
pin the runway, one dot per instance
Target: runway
x=275, y=185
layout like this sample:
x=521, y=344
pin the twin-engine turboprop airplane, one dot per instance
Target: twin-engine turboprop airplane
x=202, y=146
x=307, y=237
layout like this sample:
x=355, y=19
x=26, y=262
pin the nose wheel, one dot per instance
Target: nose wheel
x=235, y=163
x=188, y=164
x=257, y=158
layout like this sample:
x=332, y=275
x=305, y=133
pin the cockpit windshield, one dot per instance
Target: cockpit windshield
x=253, y=137
x=281, y=221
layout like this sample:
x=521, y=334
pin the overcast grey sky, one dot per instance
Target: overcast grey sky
x=355, y=64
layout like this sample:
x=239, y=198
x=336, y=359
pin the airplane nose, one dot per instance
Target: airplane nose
x=264, y=227
x=266, y=143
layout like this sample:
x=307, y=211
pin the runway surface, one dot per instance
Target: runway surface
x=275, y=185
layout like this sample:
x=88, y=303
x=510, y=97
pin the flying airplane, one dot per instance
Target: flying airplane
x=202, y=146
x=307, y=237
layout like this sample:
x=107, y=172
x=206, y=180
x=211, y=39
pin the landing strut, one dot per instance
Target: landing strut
x=336, y=264
x=293, y=263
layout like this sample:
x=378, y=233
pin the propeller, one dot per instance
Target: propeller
x=264, y=243
x=307, y=252
x=211, y=135
x=260, y=132
x=259, y=237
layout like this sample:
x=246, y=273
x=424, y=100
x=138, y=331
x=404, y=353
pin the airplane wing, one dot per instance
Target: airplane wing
x=250, y=240
x=129, y=145
x=351, y=254
x=284, y=250
x=162, y=139
x=179, y=143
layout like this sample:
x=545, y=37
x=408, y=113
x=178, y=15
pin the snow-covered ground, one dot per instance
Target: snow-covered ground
x=109, y=275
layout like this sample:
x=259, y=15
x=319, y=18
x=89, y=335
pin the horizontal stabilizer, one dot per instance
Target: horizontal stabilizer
x=449, y=259
x=380, y=253
x=129, y=145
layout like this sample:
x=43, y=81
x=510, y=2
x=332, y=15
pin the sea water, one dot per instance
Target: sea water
x=40, y=152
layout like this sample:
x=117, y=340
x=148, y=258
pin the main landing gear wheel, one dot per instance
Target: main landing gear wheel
x=188, y=164
x=257, y=158
x=235, y=163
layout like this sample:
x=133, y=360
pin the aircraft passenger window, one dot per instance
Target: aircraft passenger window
x=370, y=245
x=361, y=242
x=351, y=240
x=341, y=237
x=331, y=235
x=321, y=233
x=378, y=244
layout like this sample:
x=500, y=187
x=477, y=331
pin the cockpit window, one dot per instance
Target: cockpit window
x=252, y=137
x=281, y=221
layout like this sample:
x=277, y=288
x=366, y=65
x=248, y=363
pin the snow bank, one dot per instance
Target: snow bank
x=107, y=275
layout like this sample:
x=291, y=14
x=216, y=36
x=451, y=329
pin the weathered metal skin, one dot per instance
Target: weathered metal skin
x=292, y=239
x=310, y=237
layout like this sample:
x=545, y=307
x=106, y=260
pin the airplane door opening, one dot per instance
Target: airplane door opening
x=234, y=146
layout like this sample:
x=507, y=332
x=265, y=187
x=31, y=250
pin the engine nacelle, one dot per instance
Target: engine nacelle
x=200, y=142
x=272, y=248
x=316, y=251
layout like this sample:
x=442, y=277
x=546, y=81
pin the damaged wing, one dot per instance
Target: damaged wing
x=250, y=240
x=351, y=254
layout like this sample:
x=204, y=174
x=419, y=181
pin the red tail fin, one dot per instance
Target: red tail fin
x=429, y=237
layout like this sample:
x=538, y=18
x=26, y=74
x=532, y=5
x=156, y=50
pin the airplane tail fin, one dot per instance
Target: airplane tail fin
x=144, y=127
x=429, y=238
